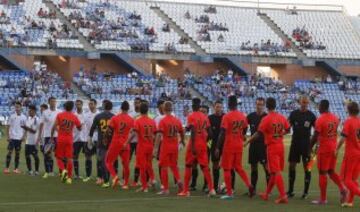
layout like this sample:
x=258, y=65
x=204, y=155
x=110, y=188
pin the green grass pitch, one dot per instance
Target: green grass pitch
x=25, y=193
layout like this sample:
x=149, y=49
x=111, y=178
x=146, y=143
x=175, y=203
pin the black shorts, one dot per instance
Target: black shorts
x=257, y=153
x=299, y=151
x=14, y=145
x=212, y=154
x=30, y=150
x=81, y=147
x=47, y=141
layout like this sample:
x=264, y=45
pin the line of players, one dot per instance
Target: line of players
x=124, y=134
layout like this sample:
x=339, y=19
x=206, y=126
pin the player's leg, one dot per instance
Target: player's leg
x=149, y=167
x=47, y=157
x=110, y=158
x=323, y=165
x=17, y=155
x=294, y=159
x=307, y=173
x=50, y=158
x=100, y=178
x=36, y=159
x=215, y=168
x=163, y=165
x=28, y=158
x=77, y=149
x=175, y=170
x=203, y=160
x=350, y=172
x=226, y=164
x=125, y=159
x=189, y=163
x=241, y=172
x=88, y=161
x=336, y=178
x=104, y=170
x=136, y=169
x=194, y=176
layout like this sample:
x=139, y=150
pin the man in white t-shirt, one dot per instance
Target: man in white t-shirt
x=80, y=138
x=31, y=129
x=133, y=143
x=16, y=136
x=47, y=121
x=89, y=152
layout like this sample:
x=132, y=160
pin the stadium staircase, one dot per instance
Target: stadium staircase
x=281, y=34
x=87, y=46
x=166, y=18
x=80, y=94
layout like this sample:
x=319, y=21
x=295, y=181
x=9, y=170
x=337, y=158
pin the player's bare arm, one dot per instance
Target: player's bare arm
x=192, y=139
x=314, y=140
x=253, y=138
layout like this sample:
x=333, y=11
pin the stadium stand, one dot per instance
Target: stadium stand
x=32, y=24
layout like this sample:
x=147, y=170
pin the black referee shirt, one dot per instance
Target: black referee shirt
x=215, y=124
x=301, y=123
x=100, y=124
x=254, y=120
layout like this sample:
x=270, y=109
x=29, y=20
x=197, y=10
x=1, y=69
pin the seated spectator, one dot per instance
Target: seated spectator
x=41, y=13
x=210, y=9
x=187, y=15
x=166, y=28
x=221, y=38
x=183, y=40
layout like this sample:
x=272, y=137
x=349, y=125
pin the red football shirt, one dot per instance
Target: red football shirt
x=65, y=123
x=351, y=132
x=170, y=126
x=327, y=125
x=274, y=126
x=201, y=123
x=234, y=123
x=146, y=129
x=121, y=125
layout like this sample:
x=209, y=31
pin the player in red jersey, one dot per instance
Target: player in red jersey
x=64, y=124
x=169, y=130
x=199, y=126
x=326, y=127
x=145, y=129
x=273, y=127
x=231, y=140
x=351, y=163
x=120, y=127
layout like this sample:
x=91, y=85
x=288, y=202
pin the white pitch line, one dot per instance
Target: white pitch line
x=112, y=200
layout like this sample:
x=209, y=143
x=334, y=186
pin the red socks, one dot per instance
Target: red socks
x=187, y=178
x=206, y=172
x=175, y=171
x=69, y=167
x=227, y=178
x=164, y=178
x=270, y=184
x=243, y=176
x=336, y=179
x=280, y=184
x=60, y=164
x=323, y=186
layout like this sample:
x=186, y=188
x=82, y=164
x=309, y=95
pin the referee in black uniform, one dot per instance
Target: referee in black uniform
x=302, y=121
x=257, y=149
x=215, y=124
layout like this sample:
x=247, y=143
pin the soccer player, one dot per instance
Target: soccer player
x=91, y=142
x=145, y=129
x=134, y=140
x=64, y=124
x=30, y=127
x=351, y=164
x=215, y=124
x=199, y=127
x=326, y=127
x=47, y=121
x=16, y=135
x=170, y=128
x=302, y=121
x=157, y=119
x=273, y=127
x=100, y=124
x=231, y=140
x=80, y=139
x=257, y=149
x=120, y=127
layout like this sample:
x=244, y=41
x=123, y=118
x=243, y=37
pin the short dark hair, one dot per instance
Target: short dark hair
x=18, y=103
x=125, y=106
x=260, y=99
x=79, y=100
x=51, y=98
x=107, y=104
x=196, y=103
x=205, y=107
x=32, y=107
x=353, y=108
x=137, y=99
x=160, y=102
x=270, y=103
x=232, y=102
x=324, y=105
x=45, y=106
x=144, y=107
x=93, y=100
x=69, y=106
x=218, y=102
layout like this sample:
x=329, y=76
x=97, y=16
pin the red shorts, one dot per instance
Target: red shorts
x=231, y=160
x=144, y=158
x=168, y=158
x=326, y=161
x=201, y=157
x=350, y=168
x=275, y=160
x=64, y=149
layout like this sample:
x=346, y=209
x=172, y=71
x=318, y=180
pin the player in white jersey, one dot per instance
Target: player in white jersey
x=90, y=149
x=16, y=136
x=80, y=138
x=31, y=127
x=160, y=115
x=133, y=142
x=47, y=121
